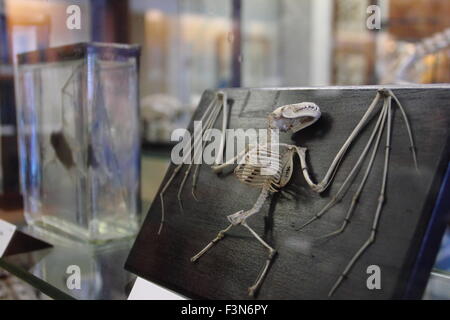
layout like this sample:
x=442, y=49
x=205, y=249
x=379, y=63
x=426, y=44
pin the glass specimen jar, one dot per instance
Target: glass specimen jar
x=79, y=141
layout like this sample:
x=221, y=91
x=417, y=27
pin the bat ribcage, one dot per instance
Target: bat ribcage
x=266, y=168
x=262, y=167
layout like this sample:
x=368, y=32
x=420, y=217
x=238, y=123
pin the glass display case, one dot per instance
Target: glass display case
x=79, y=139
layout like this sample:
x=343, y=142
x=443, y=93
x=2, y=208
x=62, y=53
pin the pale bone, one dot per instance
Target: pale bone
x=211, y=114
x=254, y=158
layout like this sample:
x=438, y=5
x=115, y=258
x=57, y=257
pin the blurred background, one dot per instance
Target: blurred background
x=191, y=45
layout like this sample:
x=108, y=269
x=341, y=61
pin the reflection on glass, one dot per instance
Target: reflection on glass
x=79, y=139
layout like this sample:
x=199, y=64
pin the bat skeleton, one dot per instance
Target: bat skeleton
x=270, y=167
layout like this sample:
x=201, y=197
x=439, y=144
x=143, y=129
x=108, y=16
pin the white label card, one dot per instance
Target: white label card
x=146, y=290
x=6, y=232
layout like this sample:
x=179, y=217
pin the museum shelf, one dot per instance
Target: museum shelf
x=101, y=270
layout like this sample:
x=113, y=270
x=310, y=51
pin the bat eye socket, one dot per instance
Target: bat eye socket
x=279, y=123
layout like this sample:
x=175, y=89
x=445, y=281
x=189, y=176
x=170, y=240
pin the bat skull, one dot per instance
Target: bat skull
x=294, y=117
